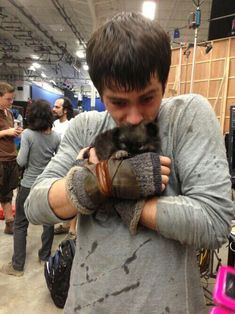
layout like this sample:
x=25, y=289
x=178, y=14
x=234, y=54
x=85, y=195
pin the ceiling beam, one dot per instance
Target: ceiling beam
x=93, y=14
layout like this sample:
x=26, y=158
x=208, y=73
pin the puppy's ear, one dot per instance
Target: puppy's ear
x=152, y=129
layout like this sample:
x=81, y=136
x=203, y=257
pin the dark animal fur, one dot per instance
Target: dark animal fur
x=130, y=139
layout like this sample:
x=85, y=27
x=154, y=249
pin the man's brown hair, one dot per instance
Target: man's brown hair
x=6, y=88
x=127, y=51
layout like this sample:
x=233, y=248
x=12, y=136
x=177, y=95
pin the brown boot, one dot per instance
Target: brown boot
x=9, y=228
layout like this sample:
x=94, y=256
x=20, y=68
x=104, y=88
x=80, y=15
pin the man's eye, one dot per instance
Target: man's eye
x=148, y=99
x=119, y=103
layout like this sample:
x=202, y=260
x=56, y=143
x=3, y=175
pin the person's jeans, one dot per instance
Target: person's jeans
x=47, y=240
x=20, y=233
x=20, y=230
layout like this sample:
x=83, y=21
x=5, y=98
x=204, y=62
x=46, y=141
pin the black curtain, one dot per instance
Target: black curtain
x=221, y=28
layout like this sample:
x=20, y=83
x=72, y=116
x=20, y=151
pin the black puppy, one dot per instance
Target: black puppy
x=128, y=140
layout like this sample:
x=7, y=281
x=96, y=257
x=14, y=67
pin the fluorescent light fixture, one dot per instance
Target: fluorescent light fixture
x=80, y=54
x=35, y=57
x=36, y=65
x=85, y=67
x=43, y=75
x=148, y=9
x=32, y=68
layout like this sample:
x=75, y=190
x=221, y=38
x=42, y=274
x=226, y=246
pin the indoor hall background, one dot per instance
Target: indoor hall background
x=56, y=32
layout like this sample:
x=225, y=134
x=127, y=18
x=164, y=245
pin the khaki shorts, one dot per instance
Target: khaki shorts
x=9, y=180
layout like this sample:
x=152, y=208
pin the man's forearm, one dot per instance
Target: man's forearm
x=59, y=201
x=3, y=133
x=149, y=213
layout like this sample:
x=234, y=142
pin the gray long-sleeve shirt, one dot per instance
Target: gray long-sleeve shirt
x=36, y=149
x=152, y=272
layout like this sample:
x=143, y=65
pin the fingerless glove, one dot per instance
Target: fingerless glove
x=130, y=211
x=133, y=178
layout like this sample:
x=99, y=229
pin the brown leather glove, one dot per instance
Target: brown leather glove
x=133, y=178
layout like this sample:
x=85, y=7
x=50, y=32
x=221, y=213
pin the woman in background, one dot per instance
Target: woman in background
x=39, y=143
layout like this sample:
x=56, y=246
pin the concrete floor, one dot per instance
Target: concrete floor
x=27, y=294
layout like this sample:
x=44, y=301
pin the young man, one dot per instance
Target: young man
x=9, y=176
x=139, y=254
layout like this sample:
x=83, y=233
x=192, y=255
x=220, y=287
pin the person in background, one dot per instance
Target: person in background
x=63, y=112
x=18, y=122
x=39, y=143
x=18, y=119
x=9, y=174
x=141, y=219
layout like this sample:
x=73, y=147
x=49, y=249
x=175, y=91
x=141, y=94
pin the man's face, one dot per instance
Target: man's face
x=58, y=110
x=6, y=100
x=134, y=106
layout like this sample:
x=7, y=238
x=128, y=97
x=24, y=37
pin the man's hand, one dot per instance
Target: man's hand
x=131, y=212
x=92, y=156
x=14, y=132
x=165, y=170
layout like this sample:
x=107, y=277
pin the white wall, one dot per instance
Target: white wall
x=22, y=95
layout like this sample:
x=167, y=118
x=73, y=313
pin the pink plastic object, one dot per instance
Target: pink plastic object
x=220, y=310
x=224, y=290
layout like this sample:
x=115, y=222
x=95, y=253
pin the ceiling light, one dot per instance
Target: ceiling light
x=85, y=67
x=35, y=57
x=32, y=68
x=80, y=54
x=148, y=9
x=36, y=65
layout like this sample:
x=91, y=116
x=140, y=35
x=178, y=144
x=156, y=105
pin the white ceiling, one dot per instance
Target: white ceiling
x=55, y=29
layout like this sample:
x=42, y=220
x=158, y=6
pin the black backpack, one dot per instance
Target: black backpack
x=57, y=272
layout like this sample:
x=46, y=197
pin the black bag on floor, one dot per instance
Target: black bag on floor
x=57, y=272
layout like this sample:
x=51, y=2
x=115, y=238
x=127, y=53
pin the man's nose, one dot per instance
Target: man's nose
x=134, y=117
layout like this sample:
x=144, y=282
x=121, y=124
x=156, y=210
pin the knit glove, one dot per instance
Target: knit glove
x=130, y=211
x=132, y=178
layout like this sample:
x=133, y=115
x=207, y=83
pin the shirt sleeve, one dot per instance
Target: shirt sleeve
x=22, y=157
x=200, y=213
